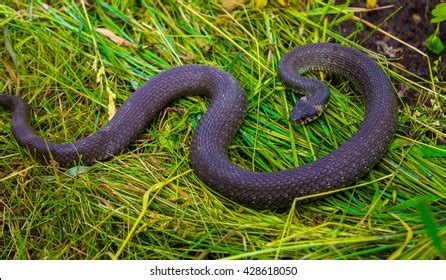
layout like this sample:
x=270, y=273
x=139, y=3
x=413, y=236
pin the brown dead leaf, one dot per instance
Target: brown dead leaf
x=11, y=73
x=115, y=38
x=188, y=57
x=230, y=5
x=109, y=191
x=106, y=203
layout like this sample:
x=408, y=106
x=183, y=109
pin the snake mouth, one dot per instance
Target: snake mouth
x=306, y=120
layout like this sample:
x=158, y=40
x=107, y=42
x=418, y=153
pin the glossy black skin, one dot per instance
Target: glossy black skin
x=210, y=142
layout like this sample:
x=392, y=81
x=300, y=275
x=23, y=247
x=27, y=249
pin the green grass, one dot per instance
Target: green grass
x=146, y=203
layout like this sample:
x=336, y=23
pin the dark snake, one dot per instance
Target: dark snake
x=209, y=147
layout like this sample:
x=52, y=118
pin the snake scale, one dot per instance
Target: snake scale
x=209, y=155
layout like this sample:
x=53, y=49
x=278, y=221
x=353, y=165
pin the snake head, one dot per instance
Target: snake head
x=305, y=112
x=311, y=105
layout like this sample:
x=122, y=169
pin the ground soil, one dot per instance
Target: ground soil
x=411, y=23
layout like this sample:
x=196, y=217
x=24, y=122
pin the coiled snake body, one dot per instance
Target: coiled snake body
x=215, y=131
